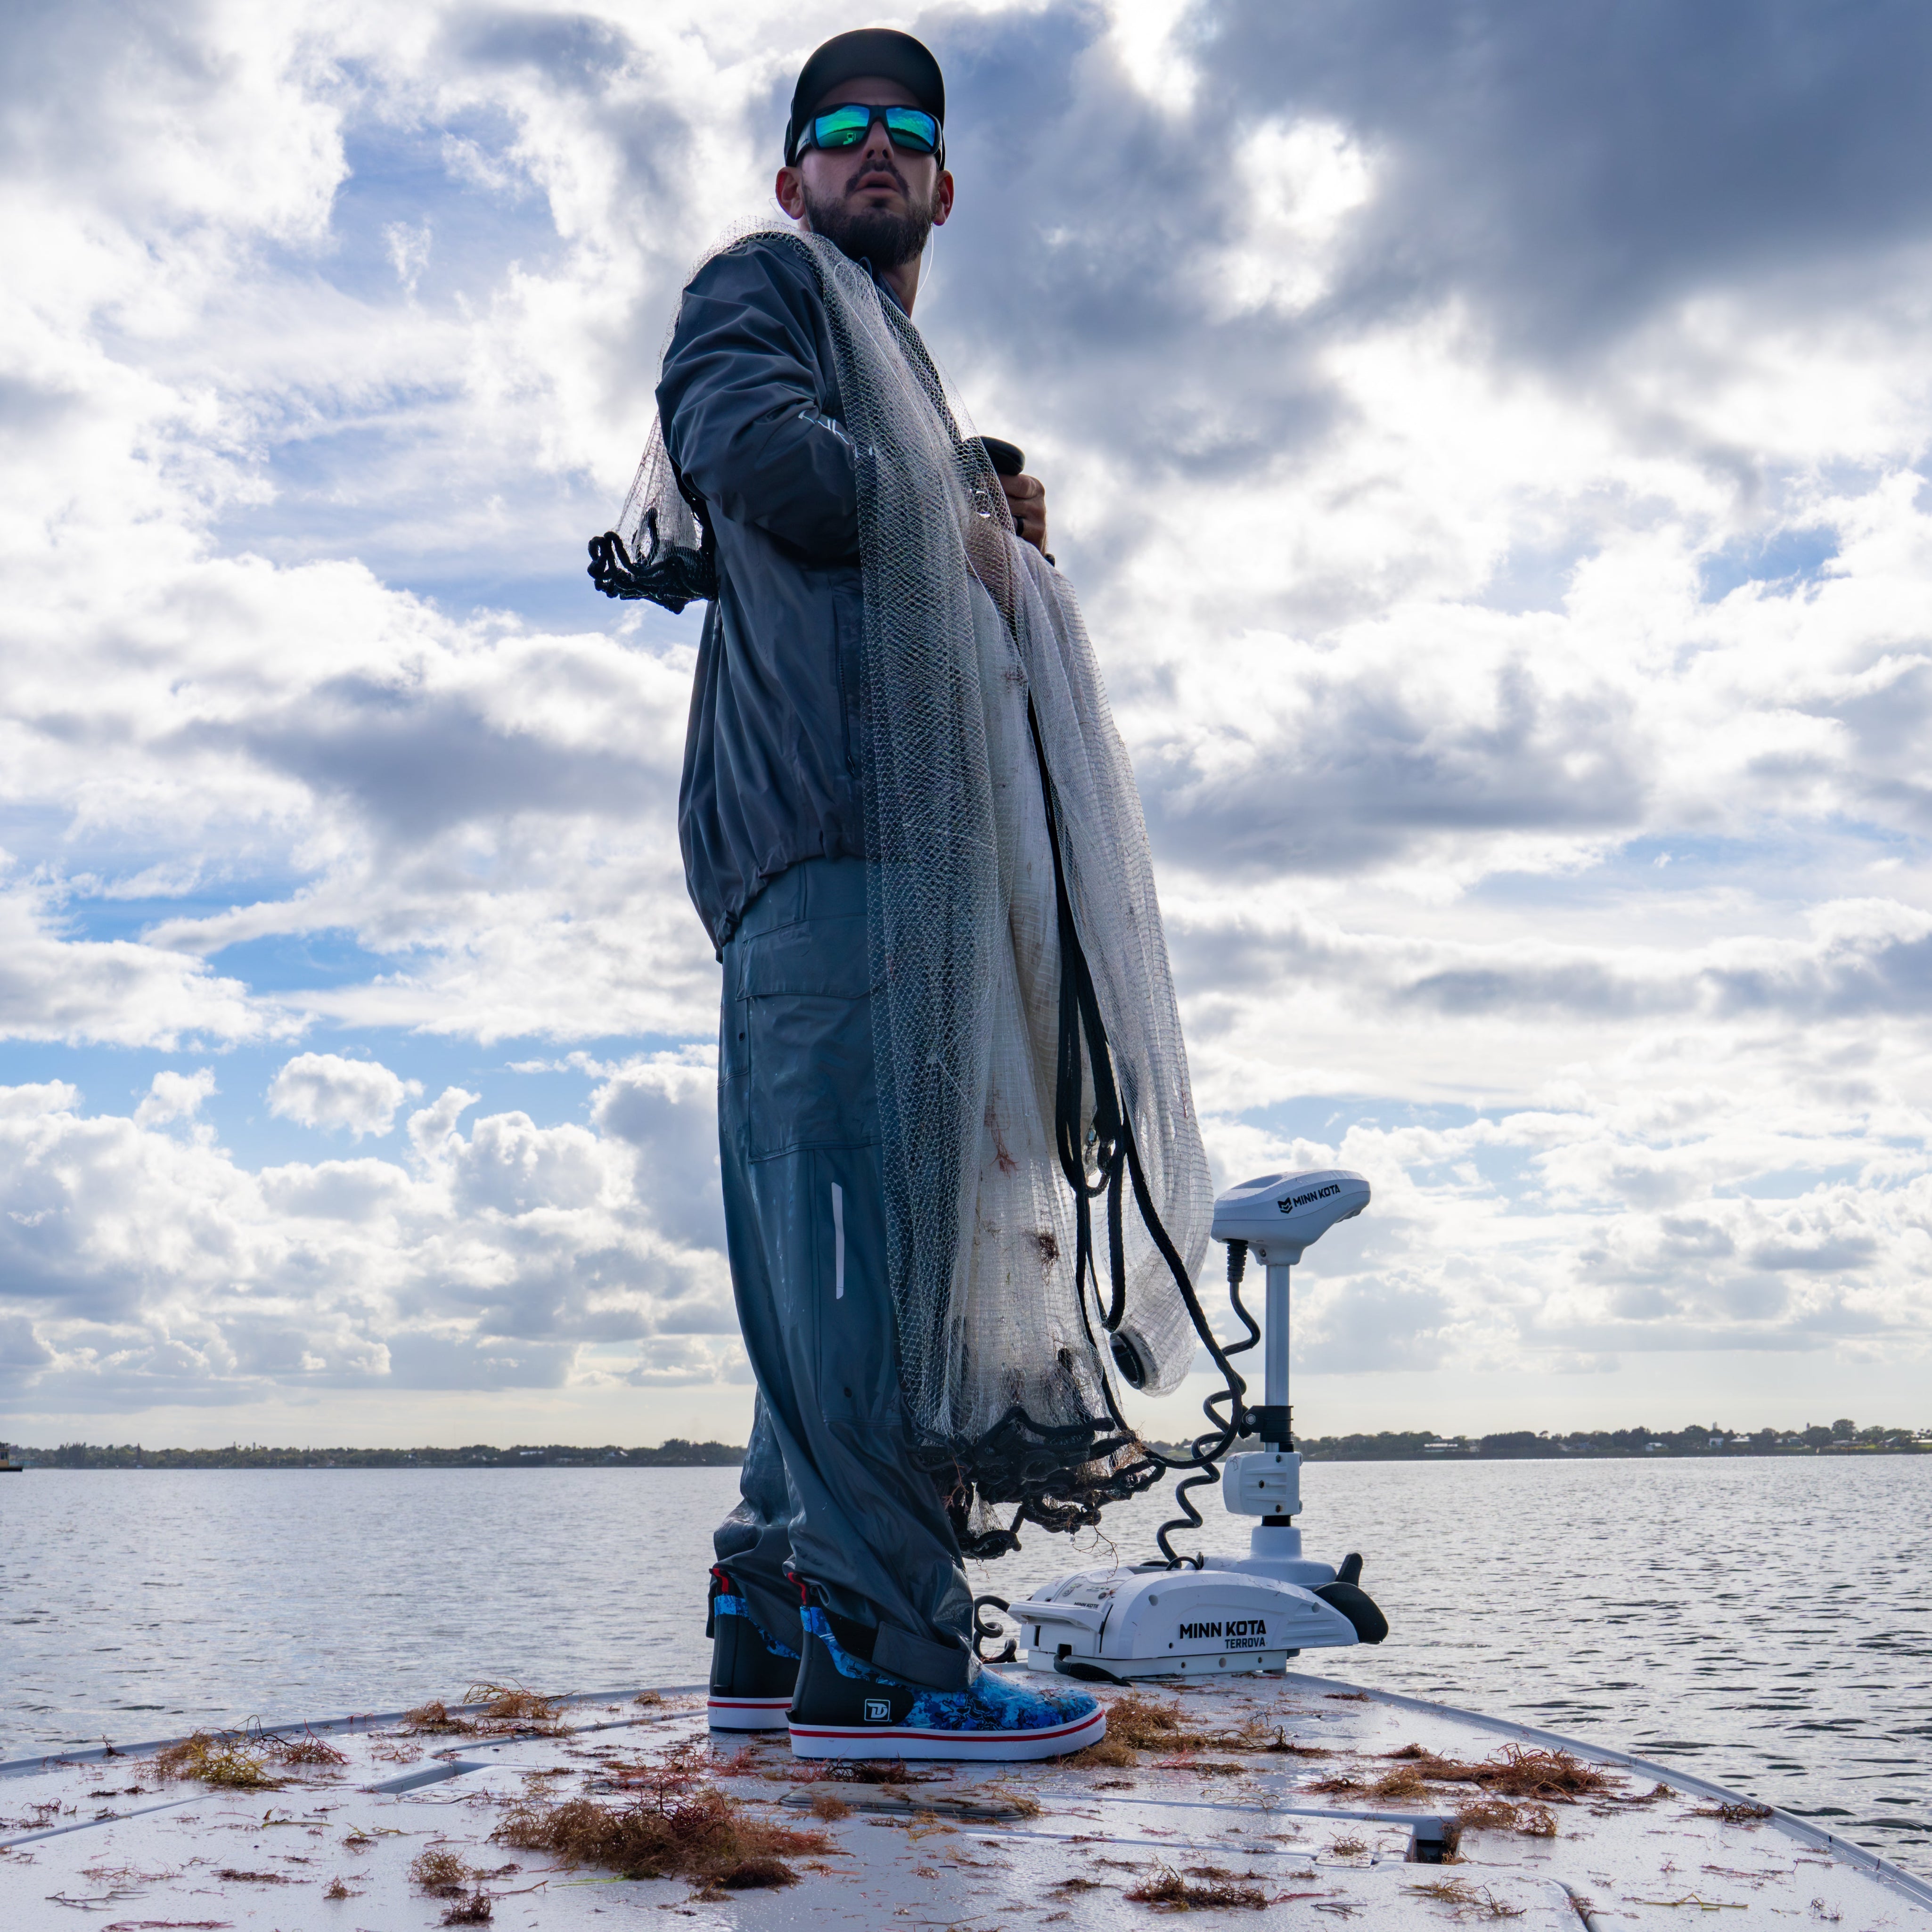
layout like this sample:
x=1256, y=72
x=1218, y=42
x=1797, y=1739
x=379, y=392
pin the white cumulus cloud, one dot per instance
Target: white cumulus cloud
x=174, y=1096
x=141, y=1268
x=323, y=1090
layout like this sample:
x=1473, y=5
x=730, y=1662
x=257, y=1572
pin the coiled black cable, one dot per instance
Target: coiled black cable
x=1225, y=1432
x=982, y=1629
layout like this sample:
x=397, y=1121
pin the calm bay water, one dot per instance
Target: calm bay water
x=1767, y=1624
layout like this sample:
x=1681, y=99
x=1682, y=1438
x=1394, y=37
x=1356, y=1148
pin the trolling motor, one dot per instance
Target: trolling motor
x=1226, y=1615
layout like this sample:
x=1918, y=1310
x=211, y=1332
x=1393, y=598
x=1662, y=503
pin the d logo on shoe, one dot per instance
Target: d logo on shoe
x=878, y=1711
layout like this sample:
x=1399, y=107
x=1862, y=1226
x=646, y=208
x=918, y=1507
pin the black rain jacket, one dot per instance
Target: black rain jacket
x=750, y=406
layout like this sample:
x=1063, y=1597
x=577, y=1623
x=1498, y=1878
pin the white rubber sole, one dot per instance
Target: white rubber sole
x=900, y=1740
x=748, y=1713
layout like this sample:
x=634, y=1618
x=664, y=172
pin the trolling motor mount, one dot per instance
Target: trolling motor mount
x=1231, y=1614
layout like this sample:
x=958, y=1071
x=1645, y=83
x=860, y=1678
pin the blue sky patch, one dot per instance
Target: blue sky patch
x=1788, y=559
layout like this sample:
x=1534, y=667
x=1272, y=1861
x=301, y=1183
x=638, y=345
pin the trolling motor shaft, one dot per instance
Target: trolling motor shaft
x=1274, y=1420
x=1267, y=1482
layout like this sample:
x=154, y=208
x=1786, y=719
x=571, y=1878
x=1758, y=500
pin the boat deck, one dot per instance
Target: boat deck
x=1296, y=1798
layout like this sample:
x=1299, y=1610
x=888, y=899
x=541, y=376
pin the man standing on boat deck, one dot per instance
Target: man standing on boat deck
x=877, y=1660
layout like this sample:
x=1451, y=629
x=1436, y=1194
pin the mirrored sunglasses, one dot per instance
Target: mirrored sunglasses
x=911, y=129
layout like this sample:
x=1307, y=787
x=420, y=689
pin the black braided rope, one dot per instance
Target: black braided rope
x=672, y=574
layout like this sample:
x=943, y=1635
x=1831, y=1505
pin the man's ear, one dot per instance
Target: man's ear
x=942, y=198
x=790, y=189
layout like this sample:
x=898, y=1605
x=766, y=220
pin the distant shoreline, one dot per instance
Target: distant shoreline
x=1701, y=1443
x=676, y=1453
x=1704, y=1442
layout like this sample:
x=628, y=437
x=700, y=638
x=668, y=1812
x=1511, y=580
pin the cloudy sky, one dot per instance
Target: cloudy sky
x=1489, y=439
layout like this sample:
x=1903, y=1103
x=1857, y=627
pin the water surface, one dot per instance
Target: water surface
x=1765, y=1623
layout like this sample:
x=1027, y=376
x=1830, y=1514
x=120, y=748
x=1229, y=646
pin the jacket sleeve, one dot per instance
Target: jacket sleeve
x=743, y=398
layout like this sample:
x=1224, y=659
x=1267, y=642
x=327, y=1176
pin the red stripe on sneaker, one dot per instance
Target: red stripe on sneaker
x=906, y=1731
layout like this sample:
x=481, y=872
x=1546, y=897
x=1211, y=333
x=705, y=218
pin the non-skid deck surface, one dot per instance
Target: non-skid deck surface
x=963, y=1848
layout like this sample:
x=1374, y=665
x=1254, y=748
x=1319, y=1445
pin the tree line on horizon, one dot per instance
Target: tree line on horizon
x=1843, y=1436
x=674, y=1453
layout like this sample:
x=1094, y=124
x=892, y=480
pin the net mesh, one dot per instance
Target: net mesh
x=977, y=669
x=655, y=508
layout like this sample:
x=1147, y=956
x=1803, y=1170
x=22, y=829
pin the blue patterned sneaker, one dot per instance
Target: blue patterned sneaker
x=752, y=1673
x=845, y=1708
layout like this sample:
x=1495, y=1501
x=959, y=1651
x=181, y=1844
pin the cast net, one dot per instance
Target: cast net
x=1031, y=1073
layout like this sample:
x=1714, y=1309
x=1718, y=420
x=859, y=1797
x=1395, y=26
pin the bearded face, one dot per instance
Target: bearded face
x=886, y=237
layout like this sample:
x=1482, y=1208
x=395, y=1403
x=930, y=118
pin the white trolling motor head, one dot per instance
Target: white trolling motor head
x=1226, y=1615
x=1280, y=1214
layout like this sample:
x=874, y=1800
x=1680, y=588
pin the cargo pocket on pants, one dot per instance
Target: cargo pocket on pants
x=807, y=1022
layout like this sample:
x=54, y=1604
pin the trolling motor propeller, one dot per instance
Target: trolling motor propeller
x=1227, y=1614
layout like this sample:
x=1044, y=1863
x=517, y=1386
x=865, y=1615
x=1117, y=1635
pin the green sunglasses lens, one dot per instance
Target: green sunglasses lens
x=909, y=127
x=843, y=127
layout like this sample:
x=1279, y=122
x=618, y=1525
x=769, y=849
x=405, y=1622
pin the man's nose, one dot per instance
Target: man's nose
x=878, y=143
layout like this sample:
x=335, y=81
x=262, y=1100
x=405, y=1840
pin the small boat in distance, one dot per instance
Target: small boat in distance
x=8, y=1467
